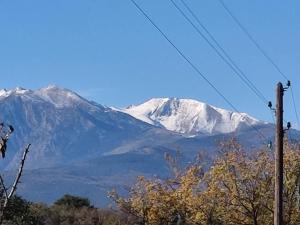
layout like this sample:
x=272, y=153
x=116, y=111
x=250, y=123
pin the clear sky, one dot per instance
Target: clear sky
x=108, y=52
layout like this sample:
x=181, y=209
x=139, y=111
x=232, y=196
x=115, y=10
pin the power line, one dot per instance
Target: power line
x=295, y=107
x=272, y=115
x=263, y=52
x=243, y=28
x=248, y=81
x=236, y=68
x=228, y=60
x=194, y=66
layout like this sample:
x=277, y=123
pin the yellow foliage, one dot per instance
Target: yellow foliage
x=237, y=189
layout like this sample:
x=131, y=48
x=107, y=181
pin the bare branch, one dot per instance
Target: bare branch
x=19, y=174
x=3, y=186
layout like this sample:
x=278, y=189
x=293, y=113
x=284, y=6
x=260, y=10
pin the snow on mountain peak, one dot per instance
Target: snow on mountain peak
x=16, y=91
x=189, y=116
x=3, y=92
x=53, y=88
x=184, y=116
x=20, y=90
x=59, y=97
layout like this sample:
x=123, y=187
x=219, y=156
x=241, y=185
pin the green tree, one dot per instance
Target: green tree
x=73, y=201
x=18, y=212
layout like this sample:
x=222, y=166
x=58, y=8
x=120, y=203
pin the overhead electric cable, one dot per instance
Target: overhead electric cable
x=194, y=66
x=248, y=81
x=295, y=107
x=263, y=52
x=227, y=59
x=243, y=28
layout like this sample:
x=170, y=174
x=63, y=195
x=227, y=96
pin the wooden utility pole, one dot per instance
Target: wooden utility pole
x=278, y=208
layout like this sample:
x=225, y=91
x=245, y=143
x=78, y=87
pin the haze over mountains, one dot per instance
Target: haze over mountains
x=84, y=148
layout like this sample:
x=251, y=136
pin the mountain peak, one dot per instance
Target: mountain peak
x=21, y=89
x=16, y=91
x=52, y=87
x=58, y=96
x=189, y=116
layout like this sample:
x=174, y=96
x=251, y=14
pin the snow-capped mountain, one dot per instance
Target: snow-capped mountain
x=187, y=116
x=83, y=148
x=56, y=96
x=62, y=126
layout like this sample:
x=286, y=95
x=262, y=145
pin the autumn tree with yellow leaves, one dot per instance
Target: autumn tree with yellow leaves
x=238, y=189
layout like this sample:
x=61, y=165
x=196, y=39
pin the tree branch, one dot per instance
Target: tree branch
x=3, y=186
x=19, y=174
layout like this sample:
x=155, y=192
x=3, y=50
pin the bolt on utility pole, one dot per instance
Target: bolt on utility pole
x=278, y=208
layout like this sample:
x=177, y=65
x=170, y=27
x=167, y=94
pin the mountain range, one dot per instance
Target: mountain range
x=190, y=117
x=84, y=148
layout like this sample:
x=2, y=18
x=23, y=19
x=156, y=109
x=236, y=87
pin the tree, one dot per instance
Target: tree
x=242, y=186
x=7, y=194
x=161, y=202
x=19, y=212
x=64, y=214
x=238, y=189
x=73, y=201
x=22, y=212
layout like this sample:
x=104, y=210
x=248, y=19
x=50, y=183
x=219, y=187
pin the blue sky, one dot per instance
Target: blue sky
x=108, y=52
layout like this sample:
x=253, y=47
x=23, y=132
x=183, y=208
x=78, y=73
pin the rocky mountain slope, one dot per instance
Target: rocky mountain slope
x=63, y=127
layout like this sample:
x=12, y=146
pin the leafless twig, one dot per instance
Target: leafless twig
x=19, y=174
x=3, y=186
x=13, y=189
